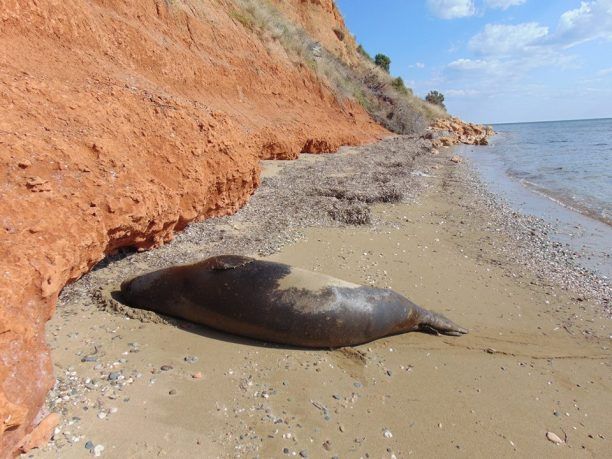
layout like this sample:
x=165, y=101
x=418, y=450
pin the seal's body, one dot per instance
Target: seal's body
x=278, y=303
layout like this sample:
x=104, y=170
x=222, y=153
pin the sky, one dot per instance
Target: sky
x=496, y=61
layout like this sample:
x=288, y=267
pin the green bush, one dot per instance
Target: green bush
x=400, y=87
x=361, y=50
x=384, y=62
x=436, y=98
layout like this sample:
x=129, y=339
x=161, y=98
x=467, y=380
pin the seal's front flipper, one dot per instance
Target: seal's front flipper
x=436, y=323
x=223, y=262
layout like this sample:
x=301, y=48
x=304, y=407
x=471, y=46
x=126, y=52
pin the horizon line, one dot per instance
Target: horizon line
x=551, y=121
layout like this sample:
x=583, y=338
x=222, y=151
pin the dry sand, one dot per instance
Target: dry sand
x=536, y=360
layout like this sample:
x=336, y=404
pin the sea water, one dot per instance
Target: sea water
x=560, y=171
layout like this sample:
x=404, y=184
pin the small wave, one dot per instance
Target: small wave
x=523, y=175
x=569, y=202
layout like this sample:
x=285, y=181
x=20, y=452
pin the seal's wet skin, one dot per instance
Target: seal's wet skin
x=278, y=303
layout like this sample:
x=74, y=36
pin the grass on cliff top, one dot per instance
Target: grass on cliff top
x=387, y=101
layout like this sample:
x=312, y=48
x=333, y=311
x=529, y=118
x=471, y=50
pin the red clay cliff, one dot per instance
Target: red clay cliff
x=120, y=123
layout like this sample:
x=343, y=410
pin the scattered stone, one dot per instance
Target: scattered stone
x=197, y=375
x=553, y=437
x=457, y=159
x=37, y=184
x=97, y=451
x=114, y=375
x=304, y=453
x=166, y=367
x=191, y=359
x=172, y=392
x=387, y=433
x=89, y=444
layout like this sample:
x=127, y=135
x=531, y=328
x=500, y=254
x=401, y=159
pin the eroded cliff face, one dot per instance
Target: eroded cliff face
x=323, y=21
x=120, y=123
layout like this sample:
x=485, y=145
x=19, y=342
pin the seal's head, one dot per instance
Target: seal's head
x=142, y=291
x=126, y=288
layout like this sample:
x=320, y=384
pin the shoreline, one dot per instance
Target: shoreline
x=586, y=234
x=434, y=235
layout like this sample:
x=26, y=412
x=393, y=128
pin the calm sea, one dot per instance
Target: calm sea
x=560, y=171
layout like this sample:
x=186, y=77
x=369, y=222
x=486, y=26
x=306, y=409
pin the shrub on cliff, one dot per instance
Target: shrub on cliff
x=398, y=84
x=388, y=101
x=436, y=98
x=384, y=62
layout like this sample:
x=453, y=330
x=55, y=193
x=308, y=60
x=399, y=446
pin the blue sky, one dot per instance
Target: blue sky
x=496, y=60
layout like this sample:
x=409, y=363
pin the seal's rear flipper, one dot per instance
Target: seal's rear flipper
x=436, y=323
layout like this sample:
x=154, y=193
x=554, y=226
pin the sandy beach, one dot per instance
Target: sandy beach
x=392, y=214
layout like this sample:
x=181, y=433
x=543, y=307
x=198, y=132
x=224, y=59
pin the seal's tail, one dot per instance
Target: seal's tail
x=436, y=323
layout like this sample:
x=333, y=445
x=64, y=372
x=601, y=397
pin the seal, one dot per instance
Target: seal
x=279, y=303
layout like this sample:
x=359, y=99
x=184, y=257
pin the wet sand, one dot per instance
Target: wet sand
x=537, y=358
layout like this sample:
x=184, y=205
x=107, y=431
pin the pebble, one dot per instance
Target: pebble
x=387, y=433
x=304, y=453
x=97, y=451
x=191, y=359
x=114, y=375
x=89, y=444
x=172, y=392
x=197, y=375
x=553, y=437
x=166, y=367
x=101, y=415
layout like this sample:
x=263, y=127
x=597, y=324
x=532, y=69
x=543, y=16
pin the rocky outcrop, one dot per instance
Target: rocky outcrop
x=445, y=132
x=120, y=123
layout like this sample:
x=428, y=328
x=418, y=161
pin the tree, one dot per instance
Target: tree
x=436, y=98
x=384, y=62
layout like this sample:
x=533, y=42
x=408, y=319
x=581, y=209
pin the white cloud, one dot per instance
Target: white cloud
x=469, y=64
x=417, y=65
x=498, y=39
x=516, y=61
x=503, y=4
x=462, y=92
x=604, y=72
x=592, y=20
x=451, y=9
